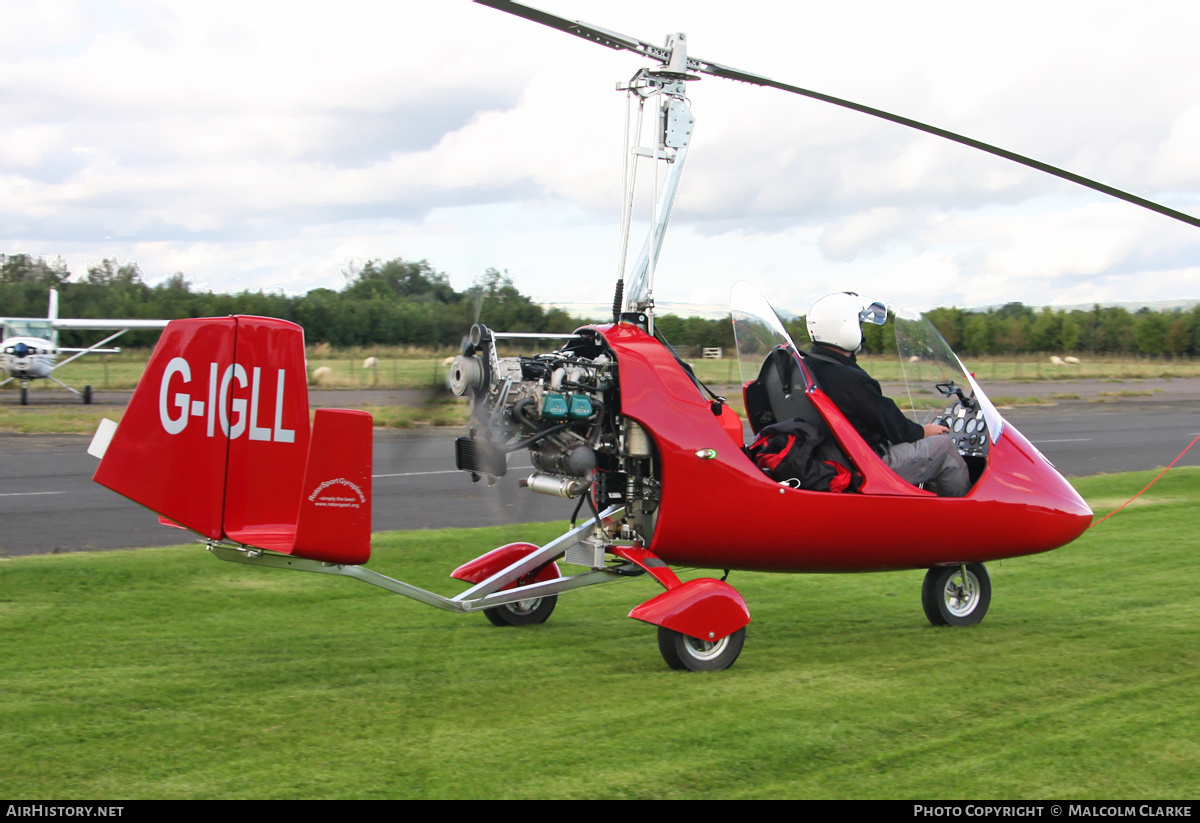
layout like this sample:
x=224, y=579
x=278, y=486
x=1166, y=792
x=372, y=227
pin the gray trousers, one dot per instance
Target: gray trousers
x=934, y=461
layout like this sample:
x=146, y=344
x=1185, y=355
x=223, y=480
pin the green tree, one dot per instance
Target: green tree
x=977, y=336
x=398, y=278
x=1178, y=338
x=25, y=268
x=1046, y=331
x=1069, y=334
x=1150, y=332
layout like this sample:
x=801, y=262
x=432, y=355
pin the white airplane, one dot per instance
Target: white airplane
x=30, y=350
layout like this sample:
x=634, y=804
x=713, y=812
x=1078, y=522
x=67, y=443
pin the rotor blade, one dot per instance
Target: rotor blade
x=614, y=40
x=734, y=74
x=580, y=29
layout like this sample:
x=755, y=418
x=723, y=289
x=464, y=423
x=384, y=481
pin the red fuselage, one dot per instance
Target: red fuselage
x=722, y=512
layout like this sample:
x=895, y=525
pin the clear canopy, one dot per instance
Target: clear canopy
x=928, y=363
x=756, y=328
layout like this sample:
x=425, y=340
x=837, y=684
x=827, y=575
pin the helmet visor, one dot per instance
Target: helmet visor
x=874, y=313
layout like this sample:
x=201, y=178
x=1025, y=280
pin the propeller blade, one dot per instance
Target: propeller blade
x=617, y=41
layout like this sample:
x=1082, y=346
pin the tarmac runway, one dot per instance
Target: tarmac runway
x=49, y=502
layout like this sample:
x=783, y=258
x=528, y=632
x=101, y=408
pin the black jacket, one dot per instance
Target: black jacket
x=857, y=394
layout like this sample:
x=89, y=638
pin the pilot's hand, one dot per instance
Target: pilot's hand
x=932, y=428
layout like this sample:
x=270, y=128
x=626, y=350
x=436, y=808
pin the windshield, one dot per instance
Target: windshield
x=933, y=374
x=756, y=328
x=29, y=328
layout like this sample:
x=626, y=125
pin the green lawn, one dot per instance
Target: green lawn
x=167, y=673
x=400, y=367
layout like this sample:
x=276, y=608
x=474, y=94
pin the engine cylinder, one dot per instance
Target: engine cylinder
x=573, y=461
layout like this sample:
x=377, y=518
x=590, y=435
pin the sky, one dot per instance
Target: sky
x=279, y=145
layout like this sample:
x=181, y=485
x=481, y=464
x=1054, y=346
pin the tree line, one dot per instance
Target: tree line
x=397, y=302
x=1012, y=329
x=405, y=302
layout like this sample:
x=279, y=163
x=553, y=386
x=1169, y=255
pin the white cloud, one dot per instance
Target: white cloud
x=266, y=144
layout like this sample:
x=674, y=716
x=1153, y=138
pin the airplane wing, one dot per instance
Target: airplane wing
x=108, y=325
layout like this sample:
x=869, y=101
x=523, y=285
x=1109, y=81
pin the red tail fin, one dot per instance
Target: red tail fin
x=216, y=438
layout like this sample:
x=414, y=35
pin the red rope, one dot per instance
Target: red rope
x=1148, y=485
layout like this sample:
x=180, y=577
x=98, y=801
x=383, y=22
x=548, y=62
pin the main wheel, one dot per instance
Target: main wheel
x=24, y=396
x=87, y=395
x=684, y=652
x=523, y=612
x=950, y=599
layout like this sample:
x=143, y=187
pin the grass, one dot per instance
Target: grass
x=1031, y=368
x=54, y=419
x=1131, y=393
x=447, y=411
x=166, y=673
x=413, y=368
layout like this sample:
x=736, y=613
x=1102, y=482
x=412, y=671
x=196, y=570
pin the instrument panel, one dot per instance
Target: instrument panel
x=967, y=428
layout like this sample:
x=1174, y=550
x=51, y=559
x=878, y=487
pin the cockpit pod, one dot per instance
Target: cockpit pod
x=1018, y=503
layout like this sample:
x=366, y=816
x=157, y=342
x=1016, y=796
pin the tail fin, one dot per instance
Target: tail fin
x=216, y=438
x=52, y=314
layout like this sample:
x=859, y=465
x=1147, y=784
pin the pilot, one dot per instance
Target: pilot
x=919, y=454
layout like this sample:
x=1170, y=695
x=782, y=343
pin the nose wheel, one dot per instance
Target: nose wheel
x=956, y=595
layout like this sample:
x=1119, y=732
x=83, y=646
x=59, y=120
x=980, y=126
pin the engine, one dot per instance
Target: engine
x=564, y=407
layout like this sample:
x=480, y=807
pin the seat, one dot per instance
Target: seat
x=780, y=392
x=785, y=389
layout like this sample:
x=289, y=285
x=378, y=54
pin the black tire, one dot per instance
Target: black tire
x=683, y=652
x=87, y=395
x=523, y=612
x=24, y=396
x=949, y=601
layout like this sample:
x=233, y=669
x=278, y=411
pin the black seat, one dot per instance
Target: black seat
x=780, y=392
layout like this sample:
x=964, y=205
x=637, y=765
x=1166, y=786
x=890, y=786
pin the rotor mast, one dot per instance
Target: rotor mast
x=670, y=135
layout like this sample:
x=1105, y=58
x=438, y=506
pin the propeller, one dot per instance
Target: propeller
x=621, y=42
x=471, y=376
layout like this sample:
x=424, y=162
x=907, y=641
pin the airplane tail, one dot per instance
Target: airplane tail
x=217, y=439
x=52, y=313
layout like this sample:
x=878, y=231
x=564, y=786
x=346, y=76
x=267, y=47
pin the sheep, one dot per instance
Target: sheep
x=321, y=375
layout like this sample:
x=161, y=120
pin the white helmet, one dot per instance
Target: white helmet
x=834, y=321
